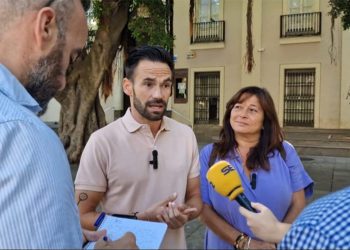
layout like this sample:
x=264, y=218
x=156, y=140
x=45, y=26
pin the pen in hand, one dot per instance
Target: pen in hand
x=99, y=220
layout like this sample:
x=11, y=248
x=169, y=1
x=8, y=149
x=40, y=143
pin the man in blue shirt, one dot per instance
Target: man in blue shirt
x=324, y=224
x=38, y=38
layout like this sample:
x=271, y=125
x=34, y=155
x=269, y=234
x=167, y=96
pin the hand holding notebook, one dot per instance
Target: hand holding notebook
x=149, y=235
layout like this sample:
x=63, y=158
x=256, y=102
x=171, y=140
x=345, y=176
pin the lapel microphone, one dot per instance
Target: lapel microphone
x=253, y=181
x=154, y=161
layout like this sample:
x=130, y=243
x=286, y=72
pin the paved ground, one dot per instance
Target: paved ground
x=329, y=174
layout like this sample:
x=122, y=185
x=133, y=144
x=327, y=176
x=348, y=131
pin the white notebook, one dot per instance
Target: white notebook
x=149, y=235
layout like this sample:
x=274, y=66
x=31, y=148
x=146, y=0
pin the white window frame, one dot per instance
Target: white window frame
x=197, y=9
x=287, y=10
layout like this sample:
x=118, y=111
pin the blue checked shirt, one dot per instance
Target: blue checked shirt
x=37, y=207
x=324, y=224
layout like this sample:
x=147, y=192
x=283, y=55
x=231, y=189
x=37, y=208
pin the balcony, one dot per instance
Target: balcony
x=208, y=32
x=303, y=24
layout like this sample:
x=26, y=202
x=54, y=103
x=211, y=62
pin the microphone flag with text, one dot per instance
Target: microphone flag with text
x=226, y=181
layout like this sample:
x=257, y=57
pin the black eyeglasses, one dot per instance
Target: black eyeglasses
x=74, y=57
x=154, y=161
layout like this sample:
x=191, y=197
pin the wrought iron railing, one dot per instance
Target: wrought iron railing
x=303, y=24
x=208, y=32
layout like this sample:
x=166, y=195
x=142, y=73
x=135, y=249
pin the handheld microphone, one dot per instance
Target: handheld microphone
x=225, y=180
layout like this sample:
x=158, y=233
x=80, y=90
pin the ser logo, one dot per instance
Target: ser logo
x=227, y=169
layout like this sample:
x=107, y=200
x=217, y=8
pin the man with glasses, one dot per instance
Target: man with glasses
x=37, y=41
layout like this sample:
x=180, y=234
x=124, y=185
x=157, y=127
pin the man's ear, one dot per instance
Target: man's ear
x=46, y=30
x=127, y=87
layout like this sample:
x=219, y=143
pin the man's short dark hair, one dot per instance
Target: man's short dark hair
x=151, y=53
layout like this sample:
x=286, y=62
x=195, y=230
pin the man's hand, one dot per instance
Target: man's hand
x=176, y=216
x=128, y=241
x=89, y=235
x=258, y=244
x=168, y=212
x=151, y=214
x=264, y=224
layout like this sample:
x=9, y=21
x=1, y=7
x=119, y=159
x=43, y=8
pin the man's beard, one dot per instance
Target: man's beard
x=42, y=80
x=142, y=109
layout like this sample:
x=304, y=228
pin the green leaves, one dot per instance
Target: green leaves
x=341, y=8
x=148, y=23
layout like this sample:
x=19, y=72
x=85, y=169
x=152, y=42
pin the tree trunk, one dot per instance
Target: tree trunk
x=191, y=13
x=249, y=57
x=81, y=112
x=170, y=23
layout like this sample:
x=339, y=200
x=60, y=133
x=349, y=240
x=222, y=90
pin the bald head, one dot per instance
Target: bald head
x=11, y=10
x=38, y=38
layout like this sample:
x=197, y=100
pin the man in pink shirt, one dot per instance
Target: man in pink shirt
x=143, y=164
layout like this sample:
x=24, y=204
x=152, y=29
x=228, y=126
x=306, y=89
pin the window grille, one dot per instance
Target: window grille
x=207, y=97
x=299, y=97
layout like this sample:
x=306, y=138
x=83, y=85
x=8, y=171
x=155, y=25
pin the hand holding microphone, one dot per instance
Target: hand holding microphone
x=264, y=224
x=225, y=180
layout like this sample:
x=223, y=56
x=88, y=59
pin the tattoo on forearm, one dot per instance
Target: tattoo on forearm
x=82, y=197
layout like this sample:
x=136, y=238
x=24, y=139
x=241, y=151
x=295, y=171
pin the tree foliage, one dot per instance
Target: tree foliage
x=81, y=111
x=340, y=8
x=148, y=23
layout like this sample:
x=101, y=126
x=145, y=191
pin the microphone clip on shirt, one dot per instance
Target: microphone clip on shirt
x=154, y=161
x=253, y=181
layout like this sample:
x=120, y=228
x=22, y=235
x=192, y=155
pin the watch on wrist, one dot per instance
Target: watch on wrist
x=241, y=241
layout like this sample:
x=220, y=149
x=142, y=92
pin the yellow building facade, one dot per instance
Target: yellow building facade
x=307, y=75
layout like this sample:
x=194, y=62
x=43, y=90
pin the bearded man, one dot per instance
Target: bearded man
x=143, y=164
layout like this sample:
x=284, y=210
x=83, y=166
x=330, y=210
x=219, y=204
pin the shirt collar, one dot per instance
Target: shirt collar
x=14, y=90
x=132, y=125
